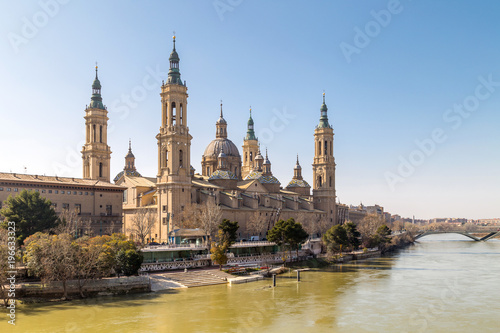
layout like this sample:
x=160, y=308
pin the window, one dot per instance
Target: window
x=80, y=193
x=91, y=193
x=251, y=156
x=100, y=133
x=65, y=206
x=69, y=192
x=109, y=210
x=62, y=192
x=50, y=191
x=100, y=169
x=164, y=208
x=43, y=191
x=1, y=188
x=180, y=158
x=124, y=195
x=8, y=189
x=54, y=205
x=15, y=189
x=86, y=193
x=56, y=191
x=74, y=192
x=326, y=147
x=208, y=171
x=164, y=220
x=78, y=209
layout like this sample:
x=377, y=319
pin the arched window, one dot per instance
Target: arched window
x=208, y=171
x=330, y=181
x=180, y=158
x=251, y=156
x=100, y=133
x=319, y=181
x=246, y=156
x=326, y=147
x=319, y=147
x=331, y=148
x=181, y=114
x=94, y=133
x=174, y=113
x=100, y=169
x=166, y=158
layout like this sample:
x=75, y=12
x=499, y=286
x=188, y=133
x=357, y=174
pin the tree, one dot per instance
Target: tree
x=111, y=260
x=87, y=262
x=227, y=235
x=256, y=225
x=218, y=252
x=52, y=258
x=229, y=232
x=335, y=238
x=128, y=261
x=353, y=235
x=342, y=236
x=210, y=218
x=69, y=222
x=30, y=212
x=368, y=227
x=288, y=233
x=142, y=222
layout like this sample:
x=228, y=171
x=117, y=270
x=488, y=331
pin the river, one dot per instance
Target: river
x=444, y=283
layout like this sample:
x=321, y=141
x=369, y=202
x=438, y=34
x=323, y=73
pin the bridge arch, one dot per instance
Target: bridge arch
x=463, y=233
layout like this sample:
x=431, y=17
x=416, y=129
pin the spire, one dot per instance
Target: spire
x=96, y=99
x=221, y=118
x=174, y=75
x=250, y=129
x=130, y=154
x=267, y=165
x=221, y=126
x=323, y=120
x=297, y=171
x=259, y=160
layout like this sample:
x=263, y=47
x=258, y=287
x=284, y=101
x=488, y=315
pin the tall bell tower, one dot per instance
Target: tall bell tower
x=250, y=148
x=324, y=167
x=96, y=153
x=174, y=146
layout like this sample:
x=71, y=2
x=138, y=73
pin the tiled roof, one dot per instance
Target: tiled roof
x=130, y=173
x=223, y=174
x=263, y=179
x=298, y=183
x=18, y=177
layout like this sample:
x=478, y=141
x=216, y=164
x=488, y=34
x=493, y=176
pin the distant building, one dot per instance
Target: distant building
x=96, y=202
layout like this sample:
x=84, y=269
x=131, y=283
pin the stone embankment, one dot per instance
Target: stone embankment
x=107, y=286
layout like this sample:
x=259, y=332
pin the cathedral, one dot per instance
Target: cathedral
x=242, y=185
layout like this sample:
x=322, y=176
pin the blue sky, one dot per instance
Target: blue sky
x=412, y=87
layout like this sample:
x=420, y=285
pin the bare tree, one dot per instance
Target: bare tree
x=210, y=218
x=70, y=222
x=142, y=223
x=87, y=262
x=191, y=217
x=310, y=223
x=368, y=225
x=256, y=225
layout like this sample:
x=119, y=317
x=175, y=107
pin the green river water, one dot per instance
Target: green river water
x=444, y=283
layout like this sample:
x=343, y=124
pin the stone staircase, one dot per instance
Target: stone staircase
x=197, y=278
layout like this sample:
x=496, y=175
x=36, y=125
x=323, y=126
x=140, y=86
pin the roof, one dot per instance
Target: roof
x=264, y=179
x=130, y=173
x=188, y=232
x=25, y=178
x=142, y=181
x=215, y=147
x=222, y=174
x=203, y=183
x=298, y=183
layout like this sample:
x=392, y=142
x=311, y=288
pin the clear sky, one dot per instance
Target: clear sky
x=412, y=87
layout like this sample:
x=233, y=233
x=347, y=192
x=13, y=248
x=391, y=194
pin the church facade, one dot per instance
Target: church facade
x=242, y=185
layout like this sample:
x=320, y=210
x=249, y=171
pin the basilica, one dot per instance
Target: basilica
x=241, y=184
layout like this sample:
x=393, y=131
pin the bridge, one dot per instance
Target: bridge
x=460, y=232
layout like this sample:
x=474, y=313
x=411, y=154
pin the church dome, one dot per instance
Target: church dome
x=218, y=145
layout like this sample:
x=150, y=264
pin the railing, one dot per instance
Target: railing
x=174, y=247
x=253, y=244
